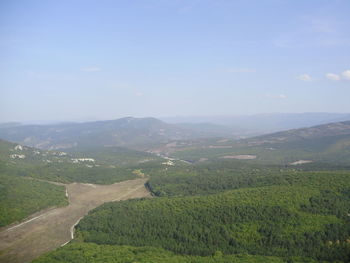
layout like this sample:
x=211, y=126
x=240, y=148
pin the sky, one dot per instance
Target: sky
x=92, y=60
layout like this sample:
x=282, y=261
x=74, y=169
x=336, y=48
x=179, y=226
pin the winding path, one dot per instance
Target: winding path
x=53, y=228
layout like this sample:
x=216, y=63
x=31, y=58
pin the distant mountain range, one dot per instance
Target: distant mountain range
x=147, y=133
x=264, y=123
x=126, y=132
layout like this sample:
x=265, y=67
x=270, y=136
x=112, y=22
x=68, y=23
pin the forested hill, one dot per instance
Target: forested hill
x=304, y=214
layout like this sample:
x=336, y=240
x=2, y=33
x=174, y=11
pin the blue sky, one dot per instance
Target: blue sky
x=80, y=60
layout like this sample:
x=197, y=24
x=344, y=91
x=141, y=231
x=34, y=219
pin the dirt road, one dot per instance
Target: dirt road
x=51, y=229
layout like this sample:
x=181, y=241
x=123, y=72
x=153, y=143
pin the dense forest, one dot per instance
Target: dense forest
x=221, y=175
x=93, y=253
x=286, y=219
x=212, y=177
x=20, y=197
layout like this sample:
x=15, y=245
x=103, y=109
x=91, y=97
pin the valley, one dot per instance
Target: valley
x=280, y=197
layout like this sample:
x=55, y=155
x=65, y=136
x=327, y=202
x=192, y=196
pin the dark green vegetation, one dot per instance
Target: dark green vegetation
x=20, y=197
x=290, y=217
x=211, y=177
x=221, y=175
x=93, y=253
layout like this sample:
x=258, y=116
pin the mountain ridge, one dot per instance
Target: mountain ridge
x=126, y=131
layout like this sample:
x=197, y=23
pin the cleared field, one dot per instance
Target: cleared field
x=53, y=228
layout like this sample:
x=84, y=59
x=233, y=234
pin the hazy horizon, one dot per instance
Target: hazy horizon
x=176, y=118
x=90, y=60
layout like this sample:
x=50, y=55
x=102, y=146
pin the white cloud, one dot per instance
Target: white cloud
x=346, y=74
x=241, y=70
x=305, y=77
x=91, y=69
x=278, y=96
x=332, y=76
x=138, y=94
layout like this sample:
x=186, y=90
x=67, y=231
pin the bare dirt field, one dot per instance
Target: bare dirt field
x=53, y=228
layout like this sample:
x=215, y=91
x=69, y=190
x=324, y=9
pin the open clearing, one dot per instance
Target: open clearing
x=53, y=228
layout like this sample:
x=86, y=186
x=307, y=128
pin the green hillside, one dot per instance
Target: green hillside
x=102, y=166
x=304, y=216
x=117, y=156
x=21, y=197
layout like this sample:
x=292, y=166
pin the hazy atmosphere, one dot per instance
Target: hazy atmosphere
x=93, y=60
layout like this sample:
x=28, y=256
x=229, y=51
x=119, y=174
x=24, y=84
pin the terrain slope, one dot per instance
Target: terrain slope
x=51, y=229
